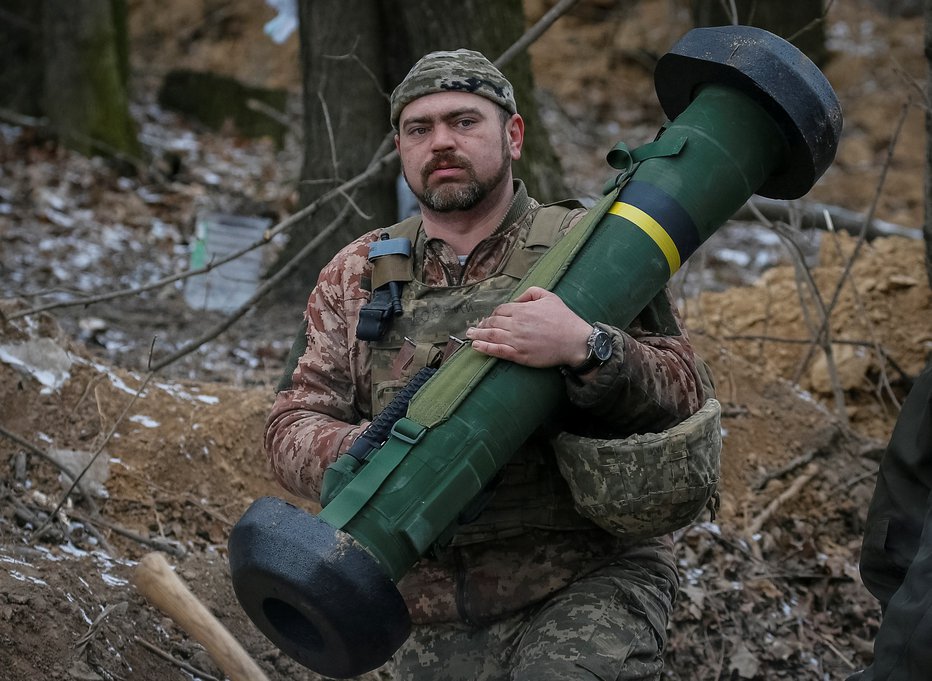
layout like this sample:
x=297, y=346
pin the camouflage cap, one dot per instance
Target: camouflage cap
x=457, y=71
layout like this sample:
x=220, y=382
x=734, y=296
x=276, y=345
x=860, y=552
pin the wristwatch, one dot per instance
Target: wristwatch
x=600, y=349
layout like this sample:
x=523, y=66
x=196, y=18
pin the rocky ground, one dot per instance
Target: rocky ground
x=770, y=587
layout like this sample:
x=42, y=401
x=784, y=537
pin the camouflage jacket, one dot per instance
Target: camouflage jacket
x=650, y=384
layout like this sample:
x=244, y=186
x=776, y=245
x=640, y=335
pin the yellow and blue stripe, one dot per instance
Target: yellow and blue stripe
x=662, y=218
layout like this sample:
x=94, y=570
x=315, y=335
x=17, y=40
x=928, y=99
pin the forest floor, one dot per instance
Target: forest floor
x=770, y=588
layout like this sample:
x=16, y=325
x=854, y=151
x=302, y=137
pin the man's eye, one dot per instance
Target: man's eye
x=467, y=123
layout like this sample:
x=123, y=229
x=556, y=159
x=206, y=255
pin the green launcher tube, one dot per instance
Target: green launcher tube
x=748, y=114
x=668, y=208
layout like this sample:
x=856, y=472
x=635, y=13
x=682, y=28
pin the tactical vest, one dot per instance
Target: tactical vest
x=529, y=492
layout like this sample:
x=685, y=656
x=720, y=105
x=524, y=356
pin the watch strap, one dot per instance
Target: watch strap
x=592, y=361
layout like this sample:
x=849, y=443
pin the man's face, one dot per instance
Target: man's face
x=456, y=149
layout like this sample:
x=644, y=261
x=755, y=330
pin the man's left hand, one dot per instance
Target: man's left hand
x=536, y=329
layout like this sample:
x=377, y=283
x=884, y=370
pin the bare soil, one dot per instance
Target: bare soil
x=770, y=587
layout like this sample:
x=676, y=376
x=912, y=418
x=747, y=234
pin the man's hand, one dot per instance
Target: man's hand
x=537, y=329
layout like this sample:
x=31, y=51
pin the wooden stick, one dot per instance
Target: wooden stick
x=758, y=522
x=156, y=581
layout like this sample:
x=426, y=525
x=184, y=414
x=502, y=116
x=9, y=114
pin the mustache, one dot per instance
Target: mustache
x=445, y=159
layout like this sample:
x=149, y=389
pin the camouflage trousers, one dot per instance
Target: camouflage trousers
x=610, y=625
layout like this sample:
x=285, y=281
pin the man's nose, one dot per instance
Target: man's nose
x=442, y=138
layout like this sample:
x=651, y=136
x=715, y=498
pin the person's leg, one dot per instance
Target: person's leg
x=903, y=647
x=610, y=625
x=455, y=652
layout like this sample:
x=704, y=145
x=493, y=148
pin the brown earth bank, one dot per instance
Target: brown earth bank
x=770, y=586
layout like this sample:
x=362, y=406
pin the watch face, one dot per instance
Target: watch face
x=602, y=345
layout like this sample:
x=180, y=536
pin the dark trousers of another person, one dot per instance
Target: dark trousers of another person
x=896, y=557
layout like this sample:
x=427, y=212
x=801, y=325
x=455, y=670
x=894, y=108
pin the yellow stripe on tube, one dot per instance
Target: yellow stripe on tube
x=652, y=228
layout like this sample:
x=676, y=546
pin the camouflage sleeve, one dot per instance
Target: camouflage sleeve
x=324, y=410
x=651, y=381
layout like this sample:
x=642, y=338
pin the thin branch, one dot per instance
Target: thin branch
x=363, y=178
x=45, y=456
x=805, y=279
x=868, y=322
x=861, y=238
x=334, y=160
x=733, y=13
x=259, y=293
x=194, y=671
x=789, y=467
x=271, y=112
x=105, y=441
x=535, y=32
x=351, y=55
x=806, y=282
x=22, y=120
x=812, y=24
x=119, y=607
x=169, y=546
x=359, y=211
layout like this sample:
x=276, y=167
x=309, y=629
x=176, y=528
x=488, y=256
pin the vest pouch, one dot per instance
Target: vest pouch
x=337, y=476
x=646, y=485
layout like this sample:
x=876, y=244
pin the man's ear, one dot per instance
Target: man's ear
x=396, y=142
x=514, y=129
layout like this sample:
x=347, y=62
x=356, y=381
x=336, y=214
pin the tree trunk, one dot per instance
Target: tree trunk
x=346, y=102
x=21, y=56
x=490, y=28
x=927, y=222
x=798, y=21
x=85, y=82
x=345, y=119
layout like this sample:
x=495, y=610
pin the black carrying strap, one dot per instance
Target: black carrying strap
x=380, y=427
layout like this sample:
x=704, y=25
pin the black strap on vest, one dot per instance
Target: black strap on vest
x=378, y=430
x=393, y=255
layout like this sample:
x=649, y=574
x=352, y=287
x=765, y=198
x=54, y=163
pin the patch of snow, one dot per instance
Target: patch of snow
x=144, y=420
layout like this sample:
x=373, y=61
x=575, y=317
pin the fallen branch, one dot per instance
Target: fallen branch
x=169, y=546
x=194, y=671
x=829, y=442
x=811, y=215
x=32, y=449
x=758, y=522
x=798, y=462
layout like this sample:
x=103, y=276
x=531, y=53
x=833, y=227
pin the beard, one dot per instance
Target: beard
x=458, y=196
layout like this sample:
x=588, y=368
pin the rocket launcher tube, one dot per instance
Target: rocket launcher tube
x=414, y=487
x=757, y=116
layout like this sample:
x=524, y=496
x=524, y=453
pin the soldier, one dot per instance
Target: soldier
x=896, y=555
x=528, y=587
